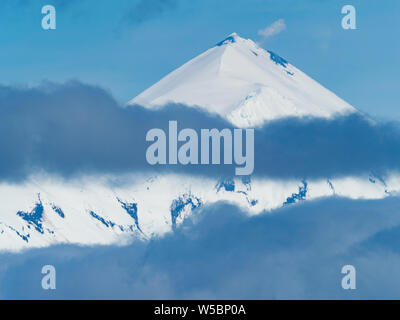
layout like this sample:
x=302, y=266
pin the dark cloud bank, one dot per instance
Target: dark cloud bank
x=75, y=128
x=296, y=252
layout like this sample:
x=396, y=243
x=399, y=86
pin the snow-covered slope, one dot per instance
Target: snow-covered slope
x=245, y=84
x=116, y=210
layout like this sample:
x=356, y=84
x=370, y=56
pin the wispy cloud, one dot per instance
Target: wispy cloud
x=273, y=29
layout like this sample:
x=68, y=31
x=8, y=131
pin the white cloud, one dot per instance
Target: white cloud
x=273, y=29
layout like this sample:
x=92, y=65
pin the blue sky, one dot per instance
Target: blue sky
x=125, y=46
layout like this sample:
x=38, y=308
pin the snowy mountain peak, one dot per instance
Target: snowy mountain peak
x=232, y=38
x=245, y=84
x=235, y=39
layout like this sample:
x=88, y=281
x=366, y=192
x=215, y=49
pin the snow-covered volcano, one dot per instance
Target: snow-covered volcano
x=235, y=79
x=245, y=84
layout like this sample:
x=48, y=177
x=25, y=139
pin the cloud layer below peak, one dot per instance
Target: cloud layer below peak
x=73, y=128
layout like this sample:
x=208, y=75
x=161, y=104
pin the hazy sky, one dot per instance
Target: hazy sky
x=125, y=46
